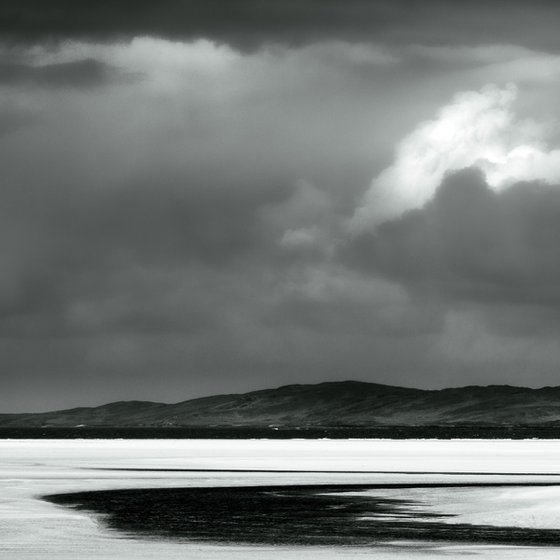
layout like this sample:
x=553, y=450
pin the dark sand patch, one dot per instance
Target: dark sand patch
x=300, y=515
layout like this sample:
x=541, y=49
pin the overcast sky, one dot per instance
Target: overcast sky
x=216, y=196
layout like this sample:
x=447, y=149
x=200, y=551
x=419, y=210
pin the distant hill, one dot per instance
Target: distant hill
x=337, y=404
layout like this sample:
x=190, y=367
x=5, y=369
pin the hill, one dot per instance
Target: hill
x=335, y=404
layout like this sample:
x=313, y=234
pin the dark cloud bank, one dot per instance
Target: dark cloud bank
x=470, y=243
x=249, y=23
x=183, y=283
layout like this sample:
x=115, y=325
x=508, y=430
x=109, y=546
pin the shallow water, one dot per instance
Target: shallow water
x=32, y=528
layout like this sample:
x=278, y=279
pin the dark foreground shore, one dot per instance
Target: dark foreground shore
x=296, y=515
x=384, y=432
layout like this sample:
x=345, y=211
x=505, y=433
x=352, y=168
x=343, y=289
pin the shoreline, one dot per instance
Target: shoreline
x=442, y=433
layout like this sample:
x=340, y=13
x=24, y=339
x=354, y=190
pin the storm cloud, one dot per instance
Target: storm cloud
x=253, y=23
x=472, y=243
x=202, y=197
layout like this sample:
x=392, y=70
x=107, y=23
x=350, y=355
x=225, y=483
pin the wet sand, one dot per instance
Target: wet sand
x=326, y=515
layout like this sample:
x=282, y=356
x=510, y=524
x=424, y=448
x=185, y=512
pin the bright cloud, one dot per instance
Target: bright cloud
x=476, y=128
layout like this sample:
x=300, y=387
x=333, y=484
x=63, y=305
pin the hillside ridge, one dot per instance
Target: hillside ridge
x=334, y=404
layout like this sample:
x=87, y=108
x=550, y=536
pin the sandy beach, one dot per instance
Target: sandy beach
x=32, y=528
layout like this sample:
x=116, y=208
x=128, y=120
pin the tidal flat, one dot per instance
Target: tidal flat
x=279, y=499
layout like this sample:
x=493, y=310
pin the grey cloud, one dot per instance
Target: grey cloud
x=169, y=223
x=120, y=212
x=11, y=121
x=472, y=244
x=116, y=256
x=249, y=23
x=344, y=317
x=86, y=73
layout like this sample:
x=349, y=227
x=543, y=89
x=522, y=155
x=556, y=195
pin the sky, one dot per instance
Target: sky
x=217, y=196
